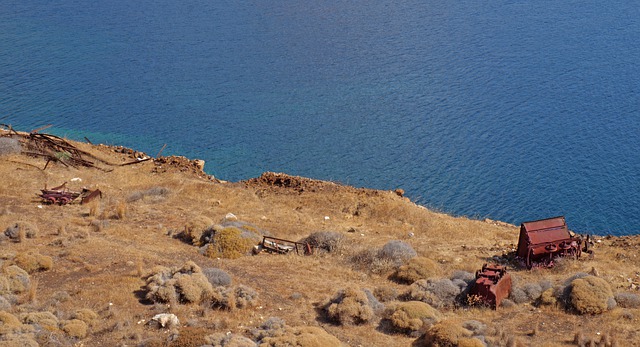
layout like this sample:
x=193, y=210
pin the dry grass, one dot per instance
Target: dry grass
x=96, y=270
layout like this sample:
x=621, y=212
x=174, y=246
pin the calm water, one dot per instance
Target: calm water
x=511, y=110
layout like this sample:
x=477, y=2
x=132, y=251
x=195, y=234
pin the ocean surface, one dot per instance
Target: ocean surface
x=509, y=110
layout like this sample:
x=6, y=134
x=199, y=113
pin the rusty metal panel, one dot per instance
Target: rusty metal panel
x=543, y=240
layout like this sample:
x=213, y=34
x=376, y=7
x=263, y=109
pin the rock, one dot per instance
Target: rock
x=166, y=320
x=230, y=217
x=594, y=272
x=399, y=192
x=199, y=164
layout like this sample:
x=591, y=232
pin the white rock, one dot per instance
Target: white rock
x=166, y=320
x=230, y=217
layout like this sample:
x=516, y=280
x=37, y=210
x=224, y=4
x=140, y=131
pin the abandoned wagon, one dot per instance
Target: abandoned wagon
x=543, y=240
x=492, y=285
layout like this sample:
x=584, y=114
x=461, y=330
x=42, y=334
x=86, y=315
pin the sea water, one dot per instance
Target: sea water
x=509, y=110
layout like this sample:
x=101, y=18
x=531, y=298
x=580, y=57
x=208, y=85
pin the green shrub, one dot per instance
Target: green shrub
x=590, y=295
x=349, y=307
x=411, y=316
x=416, y=269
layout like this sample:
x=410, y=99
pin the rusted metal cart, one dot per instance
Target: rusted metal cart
x=281, y=246
x=61, y=195
x=542, y=241
x=492, y=285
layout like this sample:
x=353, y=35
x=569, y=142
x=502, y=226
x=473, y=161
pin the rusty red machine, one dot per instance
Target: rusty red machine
x=492, y=285
x=542, y=241
x=61, y=195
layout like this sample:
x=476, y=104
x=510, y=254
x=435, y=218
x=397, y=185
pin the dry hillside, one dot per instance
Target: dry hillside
x=167, y=238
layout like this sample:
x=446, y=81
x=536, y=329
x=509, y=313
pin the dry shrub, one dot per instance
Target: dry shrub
x=9, y=146
x=231, y=298
x=45, y=319
x=33, y=262
x=229, y=340
x=273, y=326
x=94, y=208
x=74, y=328
x=230, y=243
x=21, y=230
x=628, y=300
x=416, y=269
x=392, y=255
x=447, y=333
x=5, y=305
x=5, y=286
x=548, y=298
x=22, y=340
x=195, y=230
x=121, y=210
x=154, y=193
x=245, y=296
x=86, y=315
x=397, y=251
x=302, y=337
x=18, y=280
x=368, y=260
x=325, y=241
x=217, y=277
x=349, y=306
x=186, y=284
x=8, y=321
x=590, y=295
x=386, y=294
x=411, y=316
x=435, y=292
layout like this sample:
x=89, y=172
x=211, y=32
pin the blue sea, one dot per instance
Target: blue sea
x=508, y=110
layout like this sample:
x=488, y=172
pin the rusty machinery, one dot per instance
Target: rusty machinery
x=542, y=241
x=492, y=285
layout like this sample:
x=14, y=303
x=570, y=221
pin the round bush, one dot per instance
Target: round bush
x=327, y=241
x=33, y=262
x=628, y=300
x=17, y=278
x=397, y=251
x=410, y=316
x=44, y=319
x=305, y=336
x=416, y=269
x=447, y=333
x=217, y=277
x=349, y=307
x=230, y=243
x=75, y=328
x=590, y=295
x=195, y=230
x=186, y=284
x=435, y=292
